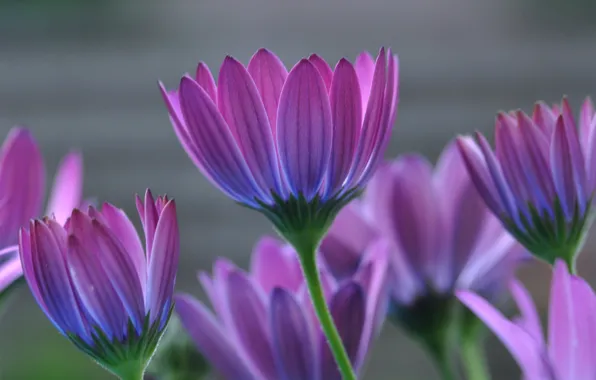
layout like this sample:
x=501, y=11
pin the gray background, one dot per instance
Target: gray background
x=84, y=76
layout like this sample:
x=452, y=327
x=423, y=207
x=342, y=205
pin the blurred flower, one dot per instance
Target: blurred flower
x=97, y=284
x=265, y=326
x=569, y=352
x=540, y=181
x=295, y=146
x=22, y=187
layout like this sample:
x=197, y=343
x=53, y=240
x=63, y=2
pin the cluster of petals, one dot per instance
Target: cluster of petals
x=262, y=134
x=264, y=325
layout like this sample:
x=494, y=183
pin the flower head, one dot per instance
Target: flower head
x=265, y=326
x=22, y=187
x=569, y=352
x=296, y=146
x=441, y=235
x=539, y=181
x=100, y=287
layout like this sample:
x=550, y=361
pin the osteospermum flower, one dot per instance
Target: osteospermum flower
x=540, y=180
x=264, y=325
x=22, y=187
x=297, y=146
x=100, y=287
x=569, y=352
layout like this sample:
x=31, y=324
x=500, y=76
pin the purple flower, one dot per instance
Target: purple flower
x=22, y=187
x=441, y=234
x=569, y=352
x=539, y=181
x=264, y=325
x=280, y=142
x=101, y=288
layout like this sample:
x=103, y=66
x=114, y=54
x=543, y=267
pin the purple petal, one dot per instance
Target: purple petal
x=149, y=218
x=220, y=156
x=577, y=156
x=10, y=271
x=346, y=240
x=305, y=130
x=275, y=264
x=26, y=259
x=242, y=108
x=529, y=314
x=348, y=309
x=346, y=112
x=117, y=221
x=291, y=338
x=249, y=316
x=269, y=75
x=215, y=344
x=586, y=118
x=525, y=350
x=323, y=68
x=205, y=80
x=161, y=274
x=418, y=223
x=51, y=275
x=591, y=159
x=544, y=118
x=22, y=178
x=562, y=169
x=365, y=68
x=67, y=192
x=98, y=297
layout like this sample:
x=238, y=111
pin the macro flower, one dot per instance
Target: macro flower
x=539, y=181
x=99, y=286
x=22, y=187
x=441, y=234
x=264, y=325
x=296, y=146
x=569, y=352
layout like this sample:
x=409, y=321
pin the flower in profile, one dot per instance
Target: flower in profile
x=99, y=286
x=296, y=146
x=569, y=352
x=264, y=325
x=22, y=187
x=539, y=181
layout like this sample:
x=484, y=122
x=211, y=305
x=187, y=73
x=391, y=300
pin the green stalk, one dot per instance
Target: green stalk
x=474, y=360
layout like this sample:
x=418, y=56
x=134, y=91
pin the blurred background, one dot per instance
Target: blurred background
x=82, y=74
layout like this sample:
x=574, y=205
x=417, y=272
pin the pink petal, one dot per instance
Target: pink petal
x=10, y=271
x=323, y=68
x=577, y=156
x=22, y=182
x=586, y=118
x=274, y=264
x=346, y=112
x=269, y=75
x=219, y=154
x=205, y=80
x=529, y=315
x=591, y=158
x=544, y=118
x=67, y=192
x=26, y=258
x=562, y=169
x=211, y=340
x=305, y=130
x=365, y=68
x=242, y=108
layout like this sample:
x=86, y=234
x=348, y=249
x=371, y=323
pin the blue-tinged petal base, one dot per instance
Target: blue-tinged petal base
x=551, y=237
x=303, y=223
x=125, y=358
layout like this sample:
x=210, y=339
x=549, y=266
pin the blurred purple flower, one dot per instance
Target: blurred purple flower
x=279, y=142
x=569, y=352
x=265, y=326
x=540, y=180
x=100, y=287
x=22, y=187
x=441, y=234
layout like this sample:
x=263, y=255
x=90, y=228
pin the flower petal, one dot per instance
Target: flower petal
x=214, y=343
x=10, y=271
x=346, y=112
x=242, y=108
x=586, y=118
x=205, y=80
x=562, y=169
x=365, y=68
x=249, y=315
x=219, y=154
x=275, y=264
x=22, y=178
x=530, y=321
x=348, y=309
x=323, y=68
x=269, y=75
x=305, y=130
x=292, y=344
x=67, y=192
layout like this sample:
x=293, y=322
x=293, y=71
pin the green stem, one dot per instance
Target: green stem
x=130, y=371
x=313, y=281
x=474, y=360
x=439, y=350
x=570, y=261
